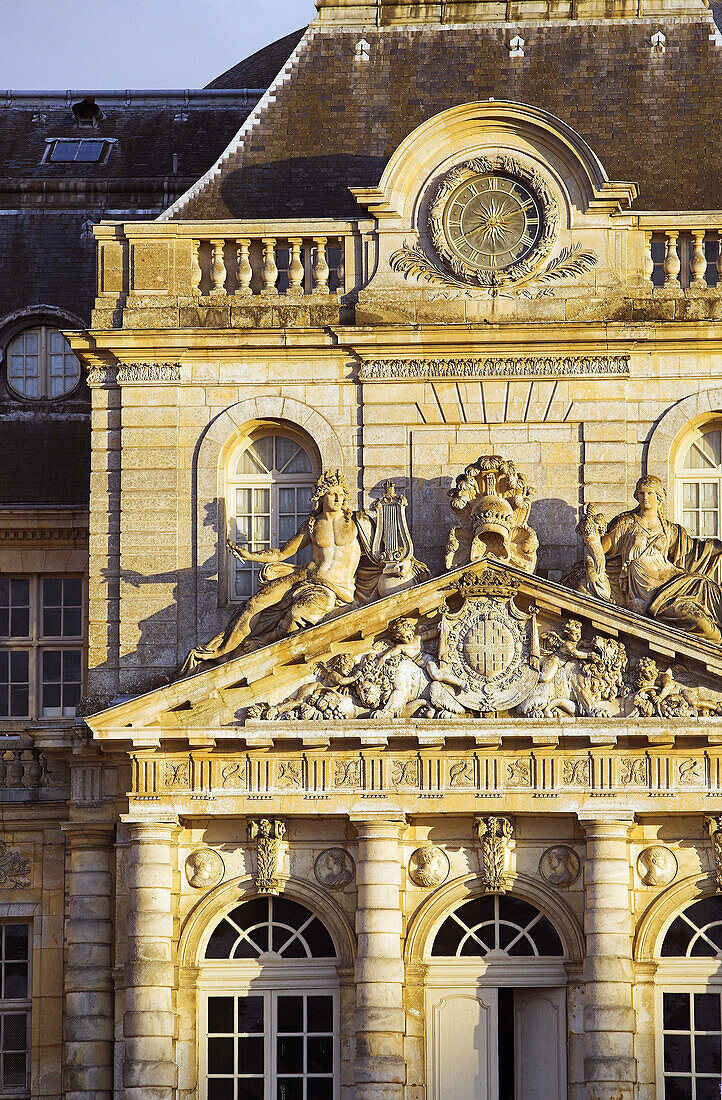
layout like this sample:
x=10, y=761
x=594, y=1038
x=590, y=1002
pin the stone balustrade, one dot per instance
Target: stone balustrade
x=22, y=769
x=683, y=258
x=244, y=266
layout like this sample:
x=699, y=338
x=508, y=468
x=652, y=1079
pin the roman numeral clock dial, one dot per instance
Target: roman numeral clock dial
x=490, y=225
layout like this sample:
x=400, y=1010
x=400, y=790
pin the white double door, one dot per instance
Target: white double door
x=487, y=1043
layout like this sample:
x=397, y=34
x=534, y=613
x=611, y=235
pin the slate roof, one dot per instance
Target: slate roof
x=258, y=70
x=145, y=136
x=334, y=123
x=45, y=461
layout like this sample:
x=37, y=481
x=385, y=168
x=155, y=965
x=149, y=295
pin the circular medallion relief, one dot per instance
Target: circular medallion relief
x=334, y=868
x=204, y=868
x=429, y=866
x=656, y=865
x=560, y=866
x=493, y=220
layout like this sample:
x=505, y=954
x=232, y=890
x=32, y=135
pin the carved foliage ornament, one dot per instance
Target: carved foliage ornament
x=267, y=832
x=494, y=834
x=14, y=869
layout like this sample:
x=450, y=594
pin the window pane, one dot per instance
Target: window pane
x=263, y=450
x=14, y=683
x=677, y=1055
x=290, y=1088
x=690, y=495
x=15, y=982
x=14, y=1070
x=250, y=1055
x=15, y=941
x=706, y=1011
x=250, y=1015
x=678, y=1088
x=289, y=1053
x=676, y=1011
x=286, y=449
x=262, y=501
x=64, y=150
x=220, y=1055
x=320, y=1013
x=250, y=1089
x=90, y=150
x=219, y=1089
x=319, y=1054
x=15, y=1031
x=290, y=1014
x=707, y=1054
x=220, y=1014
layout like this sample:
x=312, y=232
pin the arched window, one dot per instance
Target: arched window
x=497, y=923
x=271, y=476
x=40, y=363
x=690, y=1051
x=699, y=481
x=269, y=1005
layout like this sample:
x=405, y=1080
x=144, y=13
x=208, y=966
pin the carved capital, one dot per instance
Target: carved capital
x=267, y=833
x=494, y=835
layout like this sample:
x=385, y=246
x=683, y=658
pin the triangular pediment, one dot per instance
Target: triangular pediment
x=473, y=618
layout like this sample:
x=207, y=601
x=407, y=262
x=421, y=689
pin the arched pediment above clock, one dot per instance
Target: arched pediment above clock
x=486, y=129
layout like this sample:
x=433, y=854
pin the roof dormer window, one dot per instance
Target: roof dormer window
x=67, y=150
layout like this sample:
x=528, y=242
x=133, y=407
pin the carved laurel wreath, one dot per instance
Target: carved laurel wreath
x=412, y=260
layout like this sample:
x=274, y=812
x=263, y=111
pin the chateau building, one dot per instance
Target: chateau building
x=360, y=600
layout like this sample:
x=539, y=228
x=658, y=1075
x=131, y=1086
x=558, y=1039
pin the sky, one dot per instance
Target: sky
x=51, y=45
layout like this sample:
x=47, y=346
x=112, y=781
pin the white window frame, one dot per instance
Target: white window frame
x=36, y=643
x=44, y=334
x=51, y=142
x=701, y=476
x=25, y=1005
x=253, y=482
x=679, y=975
x=231, y=978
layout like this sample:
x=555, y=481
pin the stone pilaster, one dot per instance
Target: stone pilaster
x=88, y=1038
x=149, y=1068
x=609, y=1019
x=380, y=1066
x=644, y=1045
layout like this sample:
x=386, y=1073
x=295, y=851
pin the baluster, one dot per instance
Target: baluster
x=648, y=261
x=196, y=273
x=269, y=271
x=341, y=269
x=244, y=271
x=320, y=267
x=218, y=270
x=295, y=268
x=17, y=769
x=3, y=769
x=719, y=258
x=672, y=265
x=698, y=263
x=35, y=771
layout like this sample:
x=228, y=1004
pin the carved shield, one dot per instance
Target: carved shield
x=489, y=648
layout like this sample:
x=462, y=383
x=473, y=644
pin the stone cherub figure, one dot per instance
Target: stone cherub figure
x=652, y=566
x=342, y=572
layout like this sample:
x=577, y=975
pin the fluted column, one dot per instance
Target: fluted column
x=380, y=1067
x=609, y=1019
x=88, y=1027
x=149, y=1068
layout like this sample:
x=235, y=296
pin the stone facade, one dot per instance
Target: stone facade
x=438, y=817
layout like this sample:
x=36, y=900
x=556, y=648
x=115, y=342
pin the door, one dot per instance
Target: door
x=540, y=1044
x=462, y=1052
x=497, y=1043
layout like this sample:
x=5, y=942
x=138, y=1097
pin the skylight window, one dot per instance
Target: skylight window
x=66, y=150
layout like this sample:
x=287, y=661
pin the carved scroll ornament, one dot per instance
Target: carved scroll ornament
x=494, y=834
x=267, y=832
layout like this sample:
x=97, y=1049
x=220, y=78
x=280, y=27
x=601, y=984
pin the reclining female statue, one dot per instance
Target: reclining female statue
x=644, y=562
x=341, y=572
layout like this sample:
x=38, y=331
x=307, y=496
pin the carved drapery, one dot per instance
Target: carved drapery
x=267, y=832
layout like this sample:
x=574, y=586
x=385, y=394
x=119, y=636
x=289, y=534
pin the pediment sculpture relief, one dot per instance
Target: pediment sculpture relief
x=355, y=557
x=646, y=563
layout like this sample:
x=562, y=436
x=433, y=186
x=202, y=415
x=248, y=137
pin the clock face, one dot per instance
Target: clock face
x=491, y=221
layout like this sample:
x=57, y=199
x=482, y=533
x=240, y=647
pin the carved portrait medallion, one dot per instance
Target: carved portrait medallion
x=656, y=865
x=204, y=868
x=560, y=866
x=493, y=220
x=334, y=868
x=429, y=866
